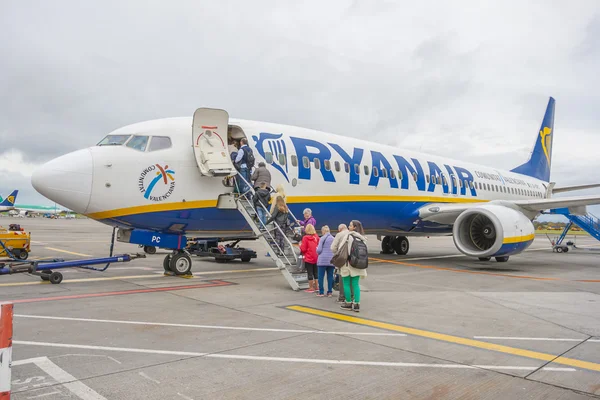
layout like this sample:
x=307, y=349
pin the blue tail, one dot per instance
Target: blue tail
x=540, y=160
x=10, y=200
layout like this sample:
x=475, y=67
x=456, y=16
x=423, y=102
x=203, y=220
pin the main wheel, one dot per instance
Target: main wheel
x=400, y=245
x=56, y=278
x=485, y=258
x=246, y=259
x=181, y=264
x=386, y=245
x=149, y=249
x=167, y=263
x=502, y=259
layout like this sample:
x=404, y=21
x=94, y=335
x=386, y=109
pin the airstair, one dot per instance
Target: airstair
x=588, y=222
x=287, y=258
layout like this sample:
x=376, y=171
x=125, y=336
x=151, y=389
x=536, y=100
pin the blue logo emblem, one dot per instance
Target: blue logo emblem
x=274, y=144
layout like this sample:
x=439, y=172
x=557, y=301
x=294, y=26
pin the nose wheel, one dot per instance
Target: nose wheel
x=179, y=263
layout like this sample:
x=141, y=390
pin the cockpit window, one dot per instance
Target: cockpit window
x=114, y=140
x=138, y=143
x=159, y=143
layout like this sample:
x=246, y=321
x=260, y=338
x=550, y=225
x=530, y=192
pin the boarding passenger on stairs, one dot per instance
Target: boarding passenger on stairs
x=308, y=247
x=281, y=217
x=308, y=219
x=324, y=262
x=260, y=175
x=279, y=193
x=350, y=275
x=261, y=202
x=244, y=169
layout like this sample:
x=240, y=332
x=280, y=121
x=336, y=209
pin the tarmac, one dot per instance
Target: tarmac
x=434, y=324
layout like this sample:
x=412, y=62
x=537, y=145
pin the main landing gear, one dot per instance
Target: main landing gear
x=394, y=244
x=498, y=259
x=178, y=262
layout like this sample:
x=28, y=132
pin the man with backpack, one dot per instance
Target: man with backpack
x=352, y=258
x=244, y=162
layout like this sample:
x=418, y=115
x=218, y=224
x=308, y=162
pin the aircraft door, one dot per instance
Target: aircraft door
x=209, y=139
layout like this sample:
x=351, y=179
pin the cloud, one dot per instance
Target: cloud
x=469, y=84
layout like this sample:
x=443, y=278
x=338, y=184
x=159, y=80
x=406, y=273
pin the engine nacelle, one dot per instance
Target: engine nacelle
x=492, y=231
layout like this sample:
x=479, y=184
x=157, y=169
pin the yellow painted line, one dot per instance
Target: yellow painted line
x=68, y=252
x=127, y=277
x=518, y=239
x=450, y=338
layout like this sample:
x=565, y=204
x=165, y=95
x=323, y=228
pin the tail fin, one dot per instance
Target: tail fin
x=540, y=160
x=10, y=199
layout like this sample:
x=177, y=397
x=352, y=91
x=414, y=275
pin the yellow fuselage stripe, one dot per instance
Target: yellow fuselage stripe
x=176, y=206
x=450, y=338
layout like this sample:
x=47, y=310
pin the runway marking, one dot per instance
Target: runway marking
x=157, y=274
x=143, y=375
x=184, y=396
x=529, y=338
x=464, y=271
x=212, y=283
x=285, y=359
x=449, y=338
x=63, y=377
x=68, y=252
x=234, y=328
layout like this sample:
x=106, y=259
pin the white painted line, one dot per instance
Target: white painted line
x=184, y=396
x=285, y=359
x=63, y=377
x=594, y=340
x=142, y=374
x=234, y=328
x=530, y=338
x=44, y=395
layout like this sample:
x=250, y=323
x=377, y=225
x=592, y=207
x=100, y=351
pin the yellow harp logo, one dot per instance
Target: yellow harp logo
x=546, y=138
x=11, y=199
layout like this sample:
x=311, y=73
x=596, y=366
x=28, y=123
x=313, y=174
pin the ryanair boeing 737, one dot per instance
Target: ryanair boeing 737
x=160, y=181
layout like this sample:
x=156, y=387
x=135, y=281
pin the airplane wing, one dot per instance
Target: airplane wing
x=444, y=213
x=572, y=188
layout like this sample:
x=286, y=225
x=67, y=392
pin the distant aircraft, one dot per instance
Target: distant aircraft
x=164, y=179
x=9, y=203
x=27, y=209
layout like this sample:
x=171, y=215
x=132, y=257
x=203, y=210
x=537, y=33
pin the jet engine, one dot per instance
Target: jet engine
x=492, y=231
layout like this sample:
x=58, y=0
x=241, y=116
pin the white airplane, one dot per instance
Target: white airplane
x=162, y=179
x=8, y=204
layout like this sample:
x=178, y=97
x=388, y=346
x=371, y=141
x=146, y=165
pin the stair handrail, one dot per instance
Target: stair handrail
x=267, y=230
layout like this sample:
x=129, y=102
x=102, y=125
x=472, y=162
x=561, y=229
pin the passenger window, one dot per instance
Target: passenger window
x=159, y=143
x=427, y=178
x=444, y=180
x=392, y=174
x=337, y=166
x=114, y=140
x=471, y=185
x=305, y=162
x=317, y=163
x=366, y=170
x=269, y=157
x=357, y=169
x=138, y=143
x=327, y=165
x=294, y=161
x=460, y=183
x=454, y=183
x=347, y=167
x=466, y=184
x=400, y=177
x=375, y=171
x=415, y=176
x=281, y=158
x=384, y=172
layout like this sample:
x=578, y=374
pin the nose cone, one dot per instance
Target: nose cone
x=67, y=180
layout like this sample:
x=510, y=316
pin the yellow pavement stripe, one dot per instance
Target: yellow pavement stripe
x=449, y=338
x=68, y=252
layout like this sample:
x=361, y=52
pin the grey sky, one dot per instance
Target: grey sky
x=470, y=83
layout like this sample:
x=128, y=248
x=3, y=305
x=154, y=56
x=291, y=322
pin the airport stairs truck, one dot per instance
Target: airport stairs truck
x=588, y=222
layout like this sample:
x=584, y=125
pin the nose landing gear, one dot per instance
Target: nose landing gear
x=179, y=262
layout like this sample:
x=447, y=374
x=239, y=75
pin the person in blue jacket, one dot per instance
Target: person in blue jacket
x=324, y=262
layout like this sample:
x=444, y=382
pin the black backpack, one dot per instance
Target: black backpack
x=359, y=254
x=249, y=157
